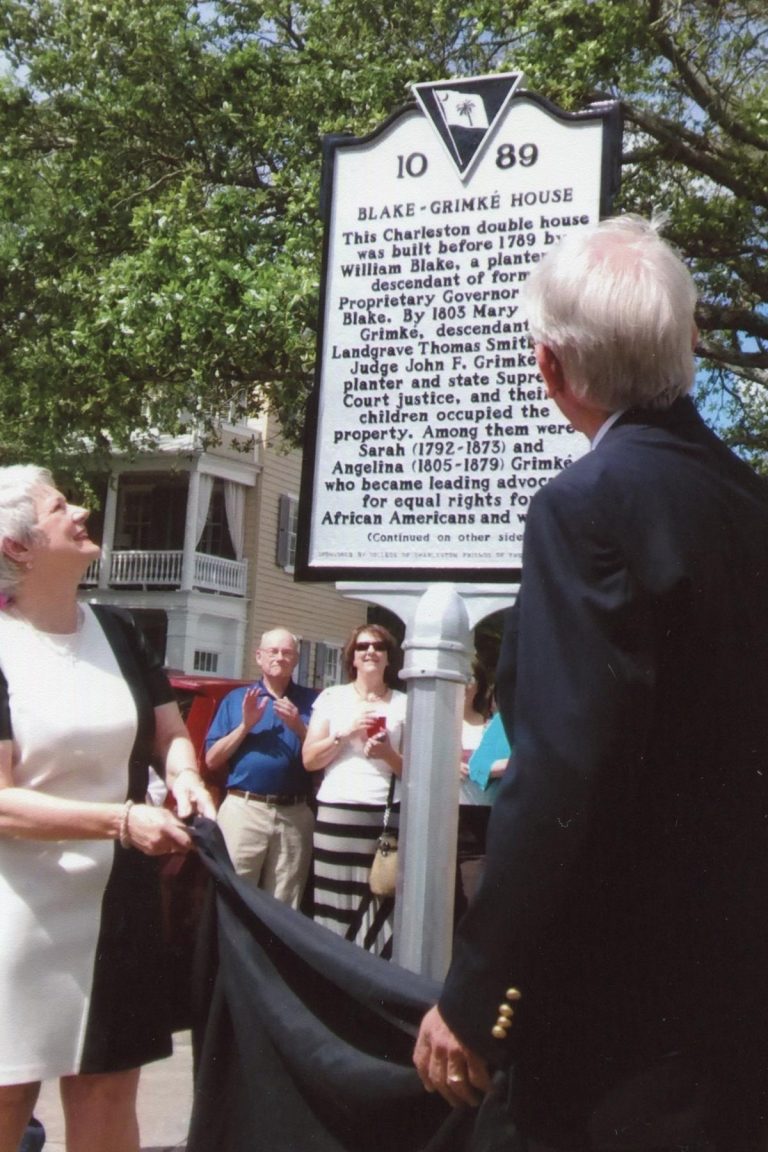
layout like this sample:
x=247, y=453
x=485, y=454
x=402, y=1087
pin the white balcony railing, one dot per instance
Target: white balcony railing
x=215, y=574
x=150, y=569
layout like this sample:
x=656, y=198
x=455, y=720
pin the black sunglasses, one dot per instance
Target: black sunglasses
x=364, y=645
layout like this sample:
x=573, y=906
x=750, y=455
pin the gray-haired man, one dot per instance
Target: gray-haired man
x=258, y=731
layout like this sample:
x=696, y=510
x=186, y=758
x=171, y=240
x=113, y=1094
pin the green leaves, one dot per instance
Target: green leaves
x=159, y=183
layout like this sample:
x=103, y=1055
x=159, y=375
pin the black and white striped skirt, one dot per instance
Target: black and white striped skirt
x=345, y=844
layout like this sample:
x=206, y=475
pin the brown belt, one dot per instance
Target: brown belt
x=276, y=799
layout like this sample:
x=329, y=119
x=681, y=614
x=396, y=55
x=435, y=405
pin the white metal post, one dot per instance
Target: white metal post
x=436, y=668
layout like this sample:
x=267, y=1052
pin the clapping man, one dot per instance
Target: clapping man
x=258, y=732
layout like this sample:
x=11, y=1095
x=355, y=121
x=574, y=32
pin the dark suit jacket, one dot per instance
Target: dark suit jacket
x=626, y=888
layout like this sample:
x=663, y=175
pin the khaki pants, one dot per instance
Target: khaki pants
x=270, y=845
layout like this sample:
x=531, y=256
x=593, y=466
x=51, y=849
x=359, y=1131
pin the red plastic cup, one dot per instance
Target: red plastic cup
x=375, y=725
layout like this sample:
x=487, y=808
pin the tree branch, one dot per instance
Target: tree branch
x=705, y=93
x=750, y=365
x=675, y=147
x=711, y=318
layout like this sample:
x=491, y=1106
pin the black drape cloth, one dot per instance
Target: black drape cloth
x=304, y=1040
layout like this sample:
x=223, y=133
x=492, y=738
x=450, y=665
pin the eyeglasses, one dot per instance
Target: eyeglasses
x=364, y=645
x=286, y=653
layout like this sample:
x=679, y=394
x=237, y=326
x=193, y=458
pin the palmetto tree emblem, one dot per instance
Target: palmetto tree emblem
x=463, y=111
x=466, y=108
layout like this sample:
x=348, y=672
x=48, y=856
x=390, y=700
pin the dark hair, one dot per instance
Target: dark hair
x=393, y=652
x=482, y=701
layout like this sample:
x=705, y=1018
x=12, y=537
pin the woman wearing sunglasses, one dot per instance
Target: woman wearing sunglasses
x=354, y=738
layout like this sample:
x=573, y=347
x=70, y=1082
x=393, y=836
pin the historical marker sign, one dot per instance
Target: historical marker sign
x=430, y=430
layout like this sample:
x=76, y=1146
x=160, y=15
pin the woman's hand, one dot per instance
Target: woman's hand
x=378, y=747
x=174, y=749
x=155, y=831
x=364, y=719
x=192, y=796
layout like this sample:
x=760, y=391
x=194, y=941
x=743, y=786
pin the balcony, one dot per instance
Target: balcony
x=162, y=570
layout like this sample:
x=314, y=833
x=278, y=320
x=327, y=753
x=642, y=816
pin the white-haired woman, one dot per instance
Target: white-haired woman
x=84, y=708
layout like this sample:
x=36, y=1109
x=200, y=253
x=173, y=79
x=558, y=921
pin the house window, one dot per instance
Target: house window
x=288, y=515
x=136, y=518
x=216, y=540
x=205, y=661
x=327, y=665
x=151, y=512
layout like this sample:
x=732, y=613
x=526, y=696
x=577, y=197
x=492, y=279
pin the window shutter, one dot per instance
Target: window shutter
x=283, y=532
x=320, y=658
x=302, y=672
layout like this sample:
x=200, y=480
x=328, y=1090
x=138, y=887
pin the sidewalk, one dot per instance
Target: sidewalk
x=165, y=1103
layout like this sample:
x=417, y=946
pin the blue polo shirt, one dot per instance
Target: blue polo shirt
x=269, y=758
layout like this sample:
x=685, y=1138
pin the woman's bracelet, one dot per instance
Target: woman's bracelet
x=124, y=834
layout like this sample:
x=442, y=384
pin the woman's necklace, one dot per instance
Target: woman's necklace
x=64, y=645
x=370, y=697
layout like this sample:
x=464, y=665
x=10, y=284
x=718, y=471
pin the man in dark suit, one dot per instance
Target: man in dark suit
x=616, y=955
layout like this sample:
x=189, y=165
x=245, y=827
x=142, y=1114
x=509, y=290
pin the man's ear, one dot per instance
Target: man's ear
x=551, y=370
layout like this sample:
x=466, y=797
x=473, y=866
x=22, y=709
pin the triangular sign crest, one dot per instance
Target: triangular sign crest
x=464, y=113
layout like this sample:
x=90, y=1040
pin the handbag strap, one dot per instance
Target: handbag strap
x=390, y=798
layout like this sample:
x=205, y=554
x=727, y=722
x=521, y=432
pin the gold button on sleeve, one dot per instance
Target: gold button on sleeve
x=513, y=994
x=506, y=1010
x=499, y=1033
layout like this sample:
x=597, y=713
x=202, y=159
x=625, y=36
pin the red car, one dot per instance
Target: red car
x=198, y=698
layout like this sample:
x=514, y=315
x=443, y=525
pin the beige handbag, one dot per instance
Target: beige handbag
x=383, y=875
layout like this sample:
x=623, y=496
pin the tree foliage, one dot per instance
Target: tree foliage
x=159, y=183
x=692, y=77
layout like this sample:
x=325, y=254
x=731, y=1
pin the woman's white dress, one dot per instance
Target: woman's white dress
x=73, y=926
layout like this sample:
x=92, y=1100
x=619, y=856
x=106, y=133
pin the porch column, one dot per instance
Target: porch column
x=108, y=534
x=190, y=532
x=181, y=638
